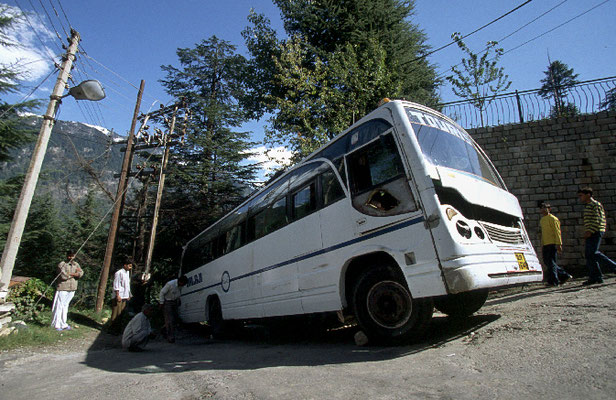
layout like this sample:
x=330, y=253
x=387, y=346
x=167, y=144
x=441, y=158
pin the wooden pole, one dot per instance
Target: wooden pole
x=117, y=206
x=159, y=193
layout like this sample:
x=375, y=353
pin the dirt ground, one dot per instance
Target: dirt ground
x=547, y=343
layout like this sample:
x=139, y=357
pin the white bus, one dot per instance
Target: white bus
x=400, y=213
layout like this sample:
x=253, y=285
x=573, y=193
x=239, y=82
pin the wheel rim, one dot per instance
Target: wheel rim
x=389, y=304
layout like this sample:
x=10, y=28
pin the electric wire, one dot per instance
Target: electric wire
x=48, y=18
x=467, y=35
x=51, y=56
x=58, y=16
x=26, y=97
x=441, y=75
x=556, y=27
x=63, y=12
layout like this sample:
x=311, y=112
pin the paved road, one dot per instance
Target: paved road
x=538, y=343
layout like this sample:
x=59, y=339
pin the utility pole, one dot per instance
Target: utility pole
x=27, y=192
x=117, y=206
x=159, y=193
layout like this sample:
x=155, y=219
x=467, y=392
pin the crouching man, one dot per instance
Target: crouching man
x=138, y=331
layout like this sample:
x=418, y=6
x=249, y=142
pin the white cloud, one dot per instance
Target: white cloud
x=270, y=160
x=31, y=53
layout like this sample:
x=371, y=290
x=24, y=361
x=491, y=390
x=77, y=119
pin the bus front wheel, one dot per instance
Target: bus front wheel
x=385, y=309
x=461, y=305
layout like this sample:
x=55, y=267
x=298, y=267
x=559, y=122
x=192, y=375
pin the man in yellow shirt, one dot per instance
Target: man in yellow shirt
x=551, y=242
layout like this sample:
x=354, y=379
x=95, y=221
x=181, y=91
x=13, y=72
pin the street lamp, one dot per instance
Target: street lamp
x=87, y=90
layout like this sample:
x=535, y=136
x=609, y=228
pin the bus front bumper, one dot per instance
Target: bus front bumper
x=482, y=271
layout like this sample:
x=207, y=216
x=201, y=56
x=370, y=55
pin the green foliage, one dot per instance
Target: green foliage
x=39, y=333
x=566, y=110
x=609, y=103
x=27, y=299
x=340, y=60
x=480, y=80
x=555, y=85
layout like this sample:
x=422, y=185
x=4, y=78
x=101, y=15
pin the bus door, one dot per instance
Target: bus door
x=386, y=212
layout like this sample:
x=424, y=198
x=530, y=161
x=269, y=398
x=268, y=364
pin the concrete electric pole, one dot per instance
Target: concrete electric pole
x=27, y=192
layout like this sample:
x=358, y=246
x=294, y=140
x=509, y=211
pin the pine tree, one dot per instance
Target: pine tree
x=207, y=176
x=556, y=83
x=340, y=60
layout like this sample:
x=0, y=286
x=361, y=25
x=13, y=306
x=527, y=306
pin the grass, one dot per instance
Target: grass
x=40, y=333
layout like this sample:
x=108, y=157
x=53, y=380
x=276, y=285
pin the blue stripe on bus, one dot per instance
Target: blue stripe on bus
x=318, y=252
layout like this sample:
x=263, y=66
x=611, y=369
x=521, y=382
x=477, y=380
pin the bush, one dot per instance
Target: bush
x=27, y=299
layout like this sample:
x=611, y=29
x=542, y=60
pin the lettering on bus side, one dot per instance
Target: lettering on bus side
x=194, y=280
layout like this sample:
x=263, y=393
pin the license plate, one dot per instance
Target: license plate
x=521, y=261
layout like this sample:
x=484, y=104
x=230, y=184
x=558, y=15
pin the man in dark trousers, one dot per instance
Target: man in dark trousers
x=551, y=242
x=170, y=301
x=594, y=229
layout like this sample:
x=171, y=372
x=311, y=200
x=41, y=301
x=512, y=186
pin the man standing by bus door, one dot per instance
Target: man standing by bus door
x=170, y=301
x=594, y=229
x=551, y=242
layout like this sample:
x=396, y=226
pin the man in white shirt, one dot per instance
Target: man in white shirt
x=138, y=331
x=121, y=290
x=169, y=299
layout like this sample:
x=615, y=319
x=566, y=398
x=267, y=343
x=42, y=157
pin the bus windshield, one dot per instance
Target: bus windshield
x=444, y=144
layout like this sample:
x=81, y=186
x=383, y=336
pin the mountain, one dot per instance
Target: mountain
x=79, y=156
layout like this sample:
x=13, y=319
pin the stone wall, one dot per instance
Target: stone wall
x=548, y=161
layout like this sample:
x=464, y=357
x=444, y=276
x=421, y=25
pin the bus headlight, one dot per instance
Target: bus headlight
x=479, y=233
x=463, y=229
x=451, y=213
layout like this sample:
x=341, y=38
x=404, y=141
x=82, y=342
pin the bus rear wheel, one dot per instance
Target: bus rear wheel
x=461, y=305
x=385, y=309
x=215, y=321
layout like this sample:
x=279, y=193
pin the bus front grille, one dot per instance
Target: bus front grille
x=503, y=234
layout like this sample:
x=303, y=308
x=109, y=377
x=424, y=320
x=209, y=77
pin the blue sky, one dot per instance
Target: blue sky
x=127, y=41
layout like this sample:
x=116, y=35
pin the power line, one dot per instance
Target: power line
x=36, y=33
x=48, y=18
x=467, y=35
x=26, y=97
x=556, y=27
x=58, y=16
x=511, y=34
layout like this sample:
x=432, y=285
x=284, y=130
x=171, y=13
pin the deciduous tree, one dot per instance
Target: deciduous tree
x=480, y=80
x=339, y=59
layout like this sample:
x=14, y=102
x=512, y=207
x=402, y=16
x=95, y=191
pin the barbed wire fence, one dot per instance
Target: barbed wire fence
x=586, y=97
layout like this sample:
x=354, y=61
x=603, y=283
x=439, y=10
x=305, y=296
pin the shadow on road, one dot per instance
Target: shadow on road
x=541, y=290
x=252, y=349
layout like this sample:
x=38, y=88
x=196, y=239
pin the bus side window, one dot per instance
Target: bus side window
x=206, y=253
x=219, y=246
x=331, y=189
x=304, y=201
x=378, y=184
x=234, y=238
x=271, y=218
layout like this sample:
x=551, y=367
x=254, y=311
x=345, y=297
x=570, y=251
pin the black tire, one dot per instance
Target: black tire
x=385, y=309
x=461, y=305
x=215, y=321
